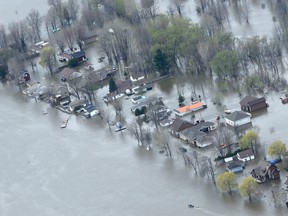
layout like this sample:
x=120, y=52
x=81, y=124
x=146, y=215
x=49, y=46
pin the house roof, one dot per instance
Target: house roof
x=62, y=90
x=251, y=100
x=237, y=115
x=261, y=168
x=77, y=103
x=195, y=132
x=122, y=86
x=246, y=153
x=179, y=124
x=235, y=164
x=89, y=108
x=78, y=54
x=66, y=72
x=190, y=107
x=137, y=75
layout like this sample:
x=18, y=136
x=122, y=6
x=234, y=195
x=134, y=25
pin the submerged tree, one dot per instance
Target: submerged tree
x=47, y=58
x=160, y=62
x=227, y=182
x=277, y=148
x=225, y=65
x=248, y=187
x=162, y=140
x=249, y=140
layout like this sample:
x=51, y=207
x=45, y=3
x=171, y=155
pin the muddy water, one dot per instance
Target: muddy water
x=86, y=169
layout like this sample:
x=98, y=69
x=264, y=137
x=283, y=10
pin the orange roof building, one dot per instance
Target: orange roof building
x=189, y=108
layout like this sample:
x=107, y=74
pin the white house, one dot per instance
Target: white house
x=246, y=155
x=238, y=118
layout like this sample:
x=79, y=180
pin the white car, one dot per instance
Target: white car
x=138, y=99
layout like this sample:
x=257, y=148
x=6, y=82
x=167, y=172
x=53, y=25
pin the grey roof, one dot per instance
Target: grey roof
x=235, y=164
x=77, y=103
x=237, y=115
x=78, y=54
x=246, y=153
x=180, y=123
x=251, y=100
x=195, y=132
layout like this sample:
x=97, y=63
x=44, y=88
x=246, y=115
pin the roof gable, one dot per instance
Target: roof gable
x=251, y=100
x=237, y=115
x=179, y=125
x=246, y=153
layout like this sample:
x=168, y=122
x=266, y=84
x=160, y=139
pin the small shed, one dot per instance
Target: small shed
x=236, y=166
x=246, y=155
x=252, y=103
x=238, y=118
x=79, y=55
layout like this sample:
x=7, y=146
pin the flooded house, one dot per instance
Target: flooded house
x=252, y=103
x=184, y=110
x=237, y=119
x=235, y=166
x=246, y=155
x=60, y=96
x=265, y=171
x=179, y=125
x=199, y=134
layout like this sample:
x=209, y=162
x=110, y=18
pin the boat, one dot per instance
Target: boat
x=227, y=111
x=65, y=122
x=119, y=127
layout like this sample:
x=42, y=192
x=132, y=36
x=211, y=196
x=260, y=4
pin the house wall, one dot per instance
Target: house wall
x=242, y=121
x=228, y=121
x=258, y=106
x=246, y=158
x=203, y=144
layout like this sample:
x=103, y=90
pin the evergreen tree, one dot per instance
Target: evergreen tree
x=112, y=85
x=160, y=62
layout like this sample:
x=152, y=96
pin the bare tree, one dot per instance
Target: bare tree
x=191, y=159
x=3, y=37
x=34, y=22
x=107, y=117
x=18, y=35
x=58, y=6
x=178, y=4
x=162, y=139
x=149, y=8
x=147, y=138
x=79, y=32
x=73, y=9
x=69, y=37
x=136, y=129
x=59, y=40
x=88, y=15
x=51, y=19
x=245, y=11
x=118, y=106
